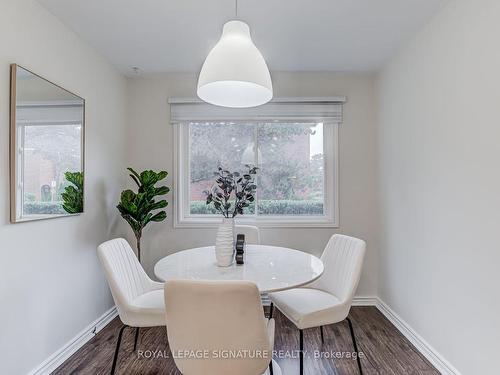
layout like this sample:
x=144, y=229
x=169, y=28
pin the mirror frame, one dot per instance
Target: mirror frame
x=13, y=142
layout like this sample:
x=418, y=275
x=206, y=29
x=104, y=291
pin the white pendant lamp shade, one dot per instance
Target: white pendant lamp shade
x=234, y=73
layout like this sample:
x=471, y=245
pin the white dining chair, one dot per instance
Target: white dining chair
x=138, y=299
x=328, y=299
x=215, y=319
x=251, y=232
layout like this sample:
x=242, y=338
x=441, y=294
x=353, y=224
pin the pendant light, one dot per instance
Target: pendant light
x=234, y=73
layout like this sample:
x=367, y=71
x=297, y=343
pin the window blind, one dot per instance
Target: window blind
x=49, y=112
x=326, y=110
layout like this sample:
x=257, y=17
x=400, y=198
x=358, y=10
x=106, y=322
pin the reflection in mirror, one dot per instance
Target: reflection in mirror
x=47, y=139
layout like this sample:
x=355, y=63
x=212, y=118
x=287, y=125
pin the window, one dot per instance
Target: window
x=48, y=142
x=296, y=156
x=46, y=152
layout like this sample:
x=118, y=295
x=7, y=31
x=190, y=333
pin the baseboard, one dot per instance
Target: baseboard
x=432, y=355
x=58, y=358
x=364, y=301
x=357, y=301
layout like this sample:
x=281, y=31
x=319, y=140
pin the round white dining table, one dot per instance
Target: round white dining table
x=272, y=268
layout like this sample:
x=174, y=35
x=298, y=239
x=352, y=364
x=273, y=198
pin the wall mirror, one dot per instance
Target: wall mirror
x=46, y=148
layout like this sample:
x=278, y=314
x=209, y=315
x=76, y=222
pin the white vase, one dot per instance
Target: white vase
x=224, y=243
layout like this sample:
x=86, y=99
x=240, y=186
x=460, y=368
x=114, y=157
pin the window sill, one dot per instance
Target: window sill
x=270, y=222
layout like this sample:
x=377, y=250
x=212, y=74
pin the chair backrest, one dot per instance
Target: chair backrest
x=252, y=233
x=126, y=277
x=216, y=319
x=343, y=261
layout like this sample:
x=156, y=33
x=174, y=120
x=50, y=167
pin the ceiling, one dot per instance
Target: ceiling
x=293, y=35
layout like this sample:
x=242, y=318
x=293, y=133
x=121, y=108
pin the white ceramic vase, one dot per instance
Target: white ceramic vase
x=224, y=243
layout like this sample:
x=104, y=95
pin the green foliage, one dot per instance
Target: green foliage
x=233, y=192
x=290, y=207
x=138, y=209
x=287, y=172
x=73, y=195
x=212, y=142
x=268, y=207
x=43, y=208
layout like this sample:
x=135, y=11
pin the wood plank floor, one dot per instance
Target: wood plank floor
x=386, y=350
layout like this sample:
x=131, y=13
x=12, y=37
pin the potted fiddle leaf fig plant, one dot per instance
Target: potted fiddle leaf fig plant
x=72, y=195
x=139, y=209
x=230, y=195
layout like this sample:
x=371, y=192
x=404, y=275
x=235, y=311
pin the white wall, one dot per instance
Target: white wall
x=51, y=285
x=439, y=184
x=151, y=146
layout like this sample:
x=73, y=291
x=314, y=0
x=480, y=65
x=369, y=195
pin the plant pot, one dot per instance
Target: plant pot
x=224, y=243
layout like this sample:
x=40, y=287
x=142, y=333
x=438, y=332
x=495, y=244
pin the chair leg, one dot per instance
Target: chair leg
x=271, y=308
x=355, y=345
x=117, y=349
x=136, y=337
x=301, y=353
x=322, y=335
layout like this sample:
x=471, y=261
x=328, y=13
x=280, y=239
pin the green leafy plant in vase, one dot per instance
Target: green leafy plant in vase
x=73, y=194
x=139, y=209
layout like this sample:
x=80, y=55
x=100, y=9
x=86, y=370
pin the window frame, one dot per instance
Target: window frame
x=183, y=219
